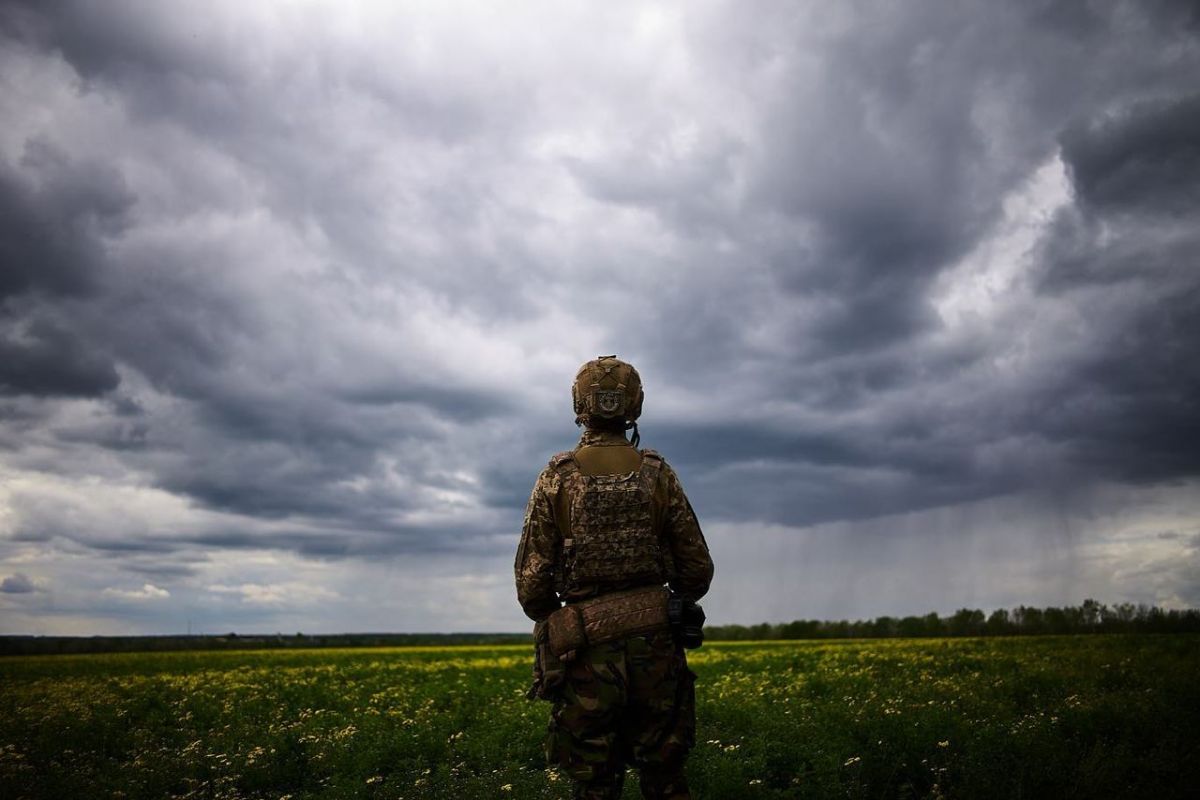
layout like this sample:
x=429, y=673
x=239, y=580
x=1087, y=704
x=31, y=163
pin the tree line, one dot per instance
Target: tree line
x=59, y=645
x=1090, y=617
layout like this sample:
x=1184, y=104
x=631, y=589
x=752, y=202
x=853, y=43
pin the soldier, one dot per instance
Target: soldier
x=607, y=527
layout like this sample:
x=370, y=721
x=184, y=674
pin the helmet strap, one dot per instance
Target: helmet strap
x=636, y=438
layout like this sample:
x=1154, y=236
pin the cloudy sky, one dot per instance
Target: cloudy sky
x=292, y=294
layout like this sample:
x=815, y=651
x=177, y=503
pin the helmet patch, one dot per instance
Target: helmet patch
x=609, y=402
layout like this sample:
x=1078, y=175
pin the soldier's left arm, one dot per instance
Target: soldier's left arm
x=693, y=565
x=537, y=554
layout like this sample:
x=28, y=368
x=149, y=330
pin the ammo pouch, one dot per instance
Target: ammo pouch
x=606, y=618
x=549, y=672
x=687, y=621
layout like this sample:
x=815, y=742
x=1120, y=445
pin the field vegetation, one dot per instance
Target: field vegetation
x=1094, y=716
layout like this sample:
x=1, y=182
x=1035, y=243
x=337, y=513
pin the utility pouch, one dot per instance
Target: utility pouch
x=566, y=635
x=549, y=672
x=687, y=621
x=617, y=615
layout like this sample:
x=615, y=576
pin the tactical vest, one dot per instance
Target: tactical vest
x=609, y=536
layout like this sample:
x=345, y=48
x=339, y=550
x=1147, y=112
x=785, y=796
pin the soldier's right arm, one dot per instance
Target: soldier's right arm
x=538, y=553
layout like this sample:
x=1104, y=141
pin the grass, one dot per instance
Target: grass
x=1091, y=716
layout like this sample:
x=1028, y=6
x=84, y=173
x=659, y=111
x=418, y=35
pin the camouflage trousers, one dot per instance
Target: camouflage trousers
x=626, y=703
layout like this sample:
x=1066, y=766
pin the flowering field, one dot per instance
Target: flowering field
x=1093, y=716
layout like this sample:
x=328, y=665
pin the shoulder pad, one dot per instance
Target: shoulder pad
x=652, y=463
x=563, y=463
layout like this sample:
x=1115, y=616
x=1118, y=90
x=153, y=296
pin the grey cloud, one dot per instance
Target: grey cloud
x=164, y=572
x=903, y=173
x=904, y=163
x=1132, y=408
x=43, y=358
x=273, y=483
x=126, y=406
x=21, y=416
x=1126, y=257
x=456, y=404
x=17, y=583
x=56, y=216
x=118, y=547
x=803, y=478
x=54, y=224
x=688, y=190
x=267, y=450
x=1144, y=158
x=359, y=539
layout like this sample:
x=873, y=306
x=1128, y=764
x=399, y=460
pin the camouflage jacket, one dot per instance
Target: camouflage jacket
x=547, y=523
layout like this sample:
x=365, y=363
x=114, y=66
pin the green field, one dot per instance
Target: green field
x=1088, y=716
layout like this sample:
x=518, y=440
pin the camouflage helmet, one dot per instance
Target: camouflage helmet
x=607, y=388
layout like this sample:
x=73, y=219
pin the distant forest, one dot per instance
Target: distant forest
x=1090, y=617
x=52, y=645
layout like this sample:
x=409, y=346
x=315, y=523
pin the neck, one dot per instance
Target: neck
x=601, y=436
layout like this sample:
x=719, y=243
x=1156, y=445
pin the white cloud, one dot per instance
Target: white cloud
x=148, y=592
x=276, y=594
x=984, y=286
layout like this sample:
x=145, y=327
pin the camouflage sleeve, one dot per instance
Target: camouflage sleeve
x=693, y=565
x=537, y=554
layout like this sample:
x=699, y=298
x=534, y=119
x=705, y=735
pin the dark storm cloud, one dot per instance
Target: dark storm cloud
x=804, y=477
x=325, y=286
x=1145, y=158
x=273, y=481
x=264, y=450
x=901, y=170
x=54, y=224
x=1128, y=253
x=46, y=359
x=53, y=229
x=886, y=165
x=1133, y=410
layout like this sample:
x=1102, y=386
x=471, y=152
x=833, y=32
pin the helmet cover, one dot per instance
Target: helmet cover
x=607, y=388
